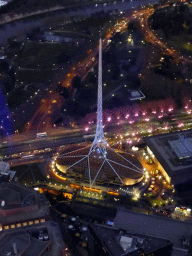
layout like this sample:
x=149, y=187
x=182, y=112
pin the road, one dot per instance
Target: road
x=15, y=149
x=37, y=150
x=142, y=16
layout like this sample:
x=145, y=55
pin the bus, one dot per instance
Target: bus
x=41, y=135
x=28, y=156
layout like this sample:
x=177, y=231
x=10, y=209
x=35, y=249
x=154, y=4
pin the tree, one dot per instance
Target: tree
x=76, y=82
x=131, y=26
x=63, y=91
x=133, y=81
x=113, y=102
x=115, y=70
x=125, y=67
x=4, y=66
x=117, y=37
x=72, y=107
x=12, y=43
x=108, y=56
x=58, y=121
x=62, y=57
x=91, y=77
x=88, y=93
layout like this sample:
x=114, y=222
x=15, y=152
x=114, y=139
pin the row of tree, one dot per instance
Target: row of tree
x=172, y=20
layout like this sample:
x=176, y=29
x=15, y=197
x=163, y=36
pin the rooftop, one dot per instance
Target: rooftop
x=7, y=175
x=5, y=172
x=117, y=241
x=156, y=226
x=182, y=147
x=174, y=153
x=28, y=241
x=117, y=166
x=3, y=166
x=136, y=95
x=30, y=237
x=18, y=196
x=15, y=194
x=22, y=242
x=9, y=196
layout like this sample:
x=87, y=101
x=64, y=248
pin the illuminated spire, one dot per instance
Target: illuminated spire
x=99, y=142
x=100, y=153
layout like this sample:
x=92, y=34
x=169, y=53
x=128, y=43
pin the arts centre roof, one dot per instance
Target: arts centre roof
x=115, y=166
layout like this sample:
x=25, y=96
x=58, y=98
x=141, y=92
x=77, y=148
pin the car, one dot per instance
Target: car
x=46, y=237
x=110, y=223
x=40, y=236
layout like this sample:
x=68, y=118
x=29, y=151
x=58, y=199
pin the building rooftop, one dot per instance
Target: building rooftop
x=136, y=95
x=174, y=153
x=3, y=166
x=117, y=242
x=22, y=242
x=5, y=173
x=4, y=177
x=156, y=226
x=18, y=196
x=36, y=247
x=10, y=196
x=32, y=240
x=182, y=147
x=15, y=194
x=116, y=166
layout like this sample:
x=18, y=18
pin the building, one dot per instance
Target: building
x=123, y=164
x=5, y=173
x=173, y=153
x=25, y=226
x=190, y=248
x=40, y=239
x=177, y=232
x=118, y=242
x=136, y=95
x=21, y=205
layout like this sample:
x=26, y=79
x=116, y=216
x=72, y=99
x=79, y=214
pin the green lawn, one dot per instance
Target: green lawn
x=89, y=26
x=44, y=55
x=181, y=42
x=34, y=76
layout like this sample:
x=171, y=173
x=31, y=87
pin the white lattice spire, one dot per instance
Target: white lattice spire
x=99, y=142
x=100, y=154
